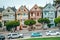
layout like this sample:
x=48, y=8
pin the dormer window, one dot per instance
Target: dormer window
x=8, y=10
x=35, y=8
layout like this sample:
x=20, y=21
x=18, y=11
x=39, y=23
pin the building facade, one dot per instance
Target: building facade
x=8, y=15
x=58, y=10
x=35, y=14
x=49, y=12
x=22, y=15
x=1, y=9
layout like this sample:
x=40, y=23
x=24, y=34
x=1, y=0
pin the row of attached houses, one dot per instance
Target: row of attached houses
x=22, y=14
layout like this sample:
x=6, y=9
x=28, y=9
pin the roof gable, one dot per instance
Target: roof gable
x=49, y=7
x=35, y=7
x=1, y=9
x=8, y=9
x=23, y=9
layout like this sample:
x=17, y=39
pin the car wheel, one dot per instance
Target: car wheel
x=9, y=38
x=21, y=37
x=3, y=39
x=58, y=34
x=48, y=34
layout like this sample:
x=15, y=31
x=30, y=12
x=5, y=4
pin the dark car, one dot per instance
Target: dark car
x=2, y=37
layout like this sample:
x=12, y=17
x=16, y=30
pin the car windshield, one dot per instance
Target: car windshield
x=1, y=36
x=14, y=34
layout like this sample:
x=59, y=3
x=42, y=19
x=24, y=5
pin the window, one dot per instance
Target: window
x=24, y=10
x=4, y=22
x=50, y=13
x=49, y=7
x=5, y=15
x=59, y=10
x=8, y=10
x=24, y=14
x=19, y=9
x=45, y=13
x=31, y=13
x=35, y=8
x=19, y=14
x=37, y=14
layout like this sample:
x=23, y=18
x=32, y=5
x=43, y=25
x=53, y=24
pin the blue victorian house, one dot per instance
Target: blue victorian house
x=49, y=12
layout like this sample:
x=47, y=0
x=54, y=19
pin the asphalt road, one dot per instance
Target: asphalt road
x=27, y=34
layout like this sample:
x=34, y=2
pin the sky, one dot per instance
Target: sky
x=29, y=3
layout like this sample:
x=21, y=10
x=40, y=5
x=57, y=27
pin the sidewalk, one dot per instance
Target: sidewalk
x=38, y=37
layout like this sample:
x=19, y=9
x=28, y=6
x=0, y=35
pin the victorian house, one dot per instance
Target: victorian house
x=56, y=4
x=1, y=9
x=58, y=10
x=36, y=13
x=22, y=15
x=8, y=14
x=49, y=12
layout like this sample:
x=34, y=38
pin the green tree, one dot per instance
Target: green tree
x=11, y=24
x=57, y=1
x=57, y=21
x=30, y=23
x=44, y=21
x=0, y=24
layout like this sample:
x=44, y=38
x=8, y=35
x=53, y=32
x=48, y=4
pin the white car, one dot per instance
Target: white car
x=52, y=33
x=15, y=35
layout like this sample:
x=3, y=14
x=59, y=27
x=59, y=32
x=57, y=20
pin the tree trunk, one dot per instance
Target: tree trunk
x=58, y=25
x=30, y=28
x=45, y=26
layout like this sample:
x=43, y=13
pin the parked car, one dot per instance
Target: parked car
x=52, y=33
x=15, y=35
x=36, y=34
x=2, y=37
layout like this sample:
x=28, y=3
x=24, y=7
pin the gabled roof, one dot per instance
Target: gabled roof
x=49, y=5
x=13, y=8
x=1, y=9
x=22, y=7
x=34, y=7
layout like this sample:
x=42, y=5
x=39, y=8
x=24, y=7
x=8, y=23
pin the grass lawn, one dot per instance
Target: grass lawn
x=52, y=38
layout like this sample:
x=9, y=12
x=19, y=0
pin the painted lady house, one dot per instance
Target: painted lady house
x=8, y=14
x=22, y=15
x=35, y=14
x=1, y=9
x=49, y=12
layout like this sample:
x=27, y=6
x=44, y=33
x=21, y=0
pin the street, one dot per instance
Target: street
x=27, y=34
